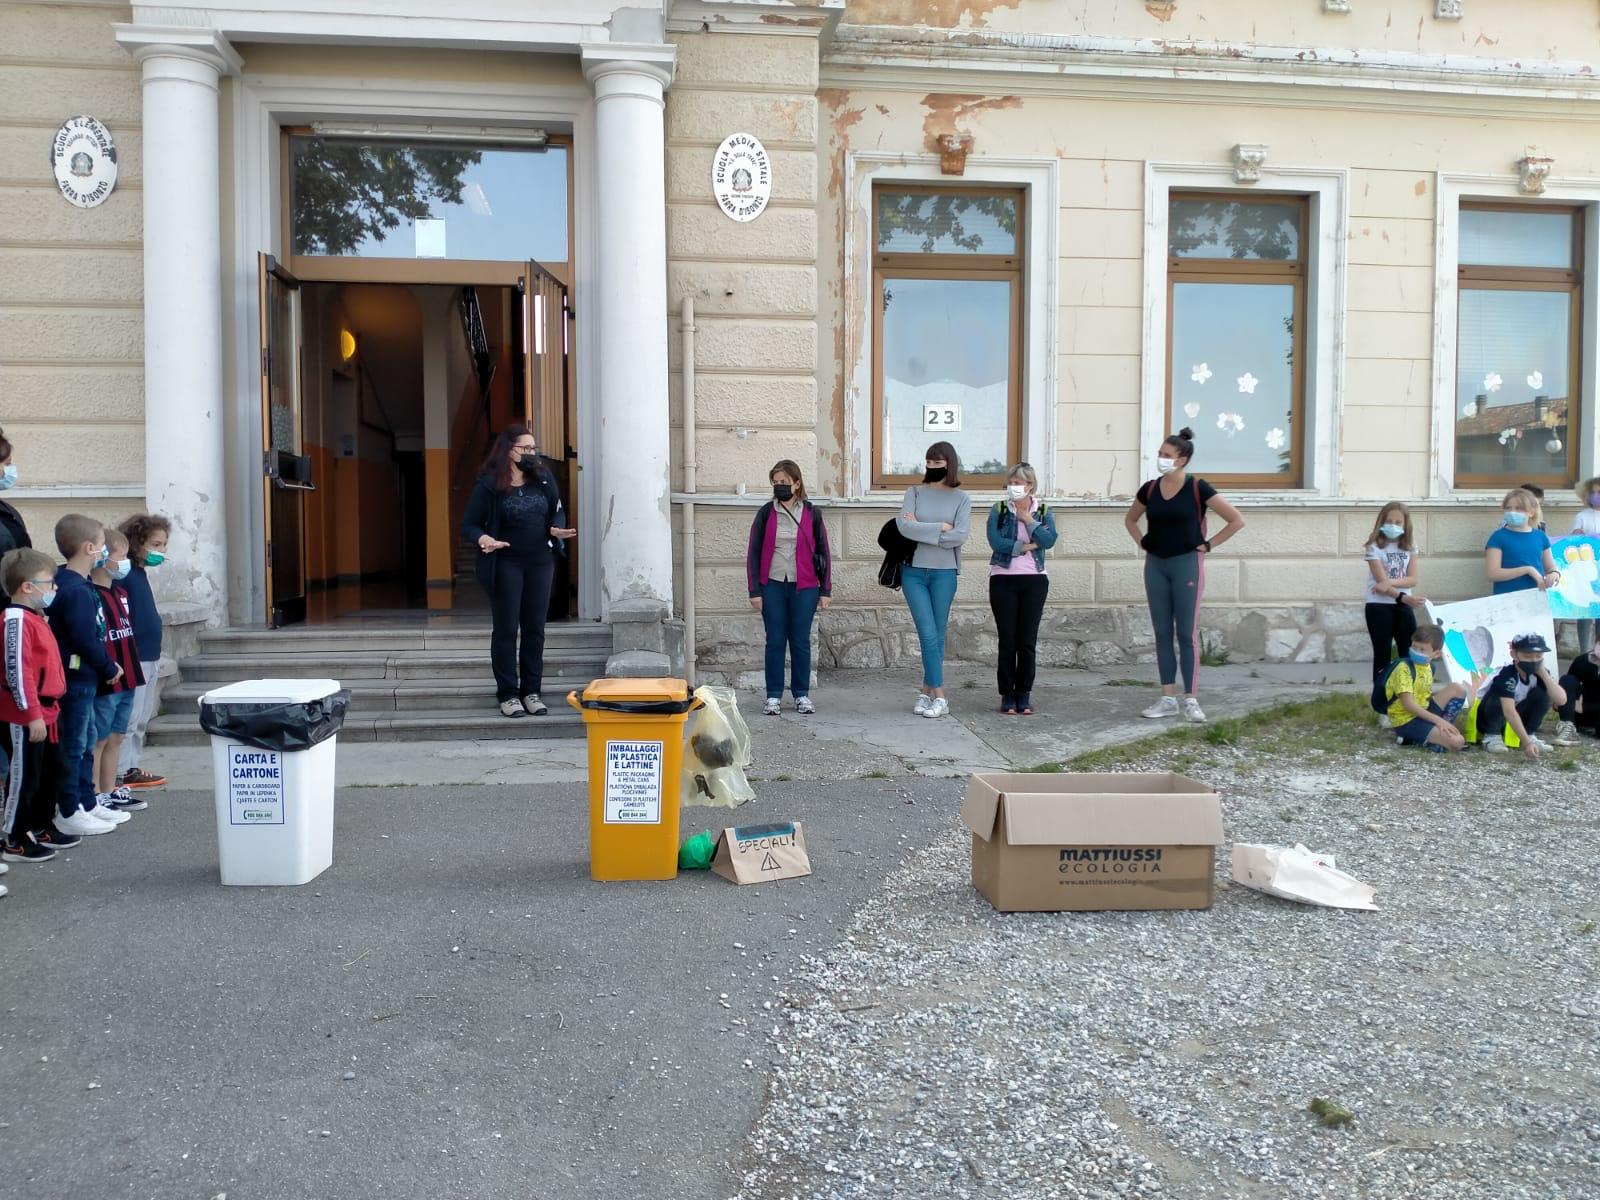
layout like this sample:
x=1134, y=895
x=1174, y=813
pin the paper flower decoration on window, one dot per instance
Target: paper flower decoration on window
x=1247, y=383
x=1469, y=409
x=1200, y=372
x=1191, y=410
x=1536, y=380
x=1231, y=422
x=1492, y=382
x=1275, y=439
x=1509, y=435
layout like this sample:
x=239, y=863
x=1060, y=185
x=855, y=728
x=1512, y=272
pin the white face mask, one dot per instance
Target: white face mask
x=1166, y=465
x=1017, y=490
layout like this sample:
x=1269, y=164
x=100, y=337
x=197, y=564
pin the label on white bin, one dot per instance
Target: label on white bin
x=255, y=786
x=633, y=782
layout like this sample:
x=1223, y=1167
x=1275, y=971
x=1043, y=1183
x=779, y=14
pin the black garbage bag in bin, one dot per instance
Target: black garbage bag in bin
x=277, y=726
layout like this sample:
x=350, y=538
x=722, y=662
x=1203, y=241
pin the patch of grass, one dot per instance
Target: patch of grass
x=1567, y=764
x=1214, y=657
x=876, y=775
x=1225, y=732
x=1126, y=683
x=782, y=778
x=1044, y=768
x=1586, y=927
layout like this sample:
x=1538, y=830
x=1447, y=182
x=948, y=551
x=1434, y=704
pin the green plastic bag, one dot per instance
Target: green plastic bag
x=696, y=853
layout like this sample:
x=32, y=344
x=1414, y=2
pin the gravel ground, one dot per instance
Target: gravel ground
x=943, y=1049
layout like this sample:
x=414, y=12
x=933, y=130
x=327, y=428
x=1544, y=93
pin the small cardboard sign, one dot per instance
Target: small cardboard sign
x=762, y=853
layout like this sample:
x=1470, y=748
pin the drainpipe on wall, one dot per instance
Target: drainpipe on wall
x=690, y=657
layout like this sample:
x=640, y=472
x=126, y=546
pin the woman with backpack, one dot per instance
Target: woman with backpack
x=1175, y=544
x=1021, y=528
x=516, y=519
x=937, y=516
x=789, y=570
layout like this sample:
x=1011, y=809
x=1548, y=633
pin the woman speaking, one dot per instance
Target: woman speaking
x=516, y=519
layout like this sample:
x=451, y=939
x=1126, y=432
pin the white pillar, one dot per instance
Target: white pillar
x=183, y=395
x=634, y=456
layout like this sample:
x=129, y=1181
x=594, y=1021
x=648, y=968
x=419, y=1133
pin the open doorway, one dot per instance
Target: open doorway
x=401, y=389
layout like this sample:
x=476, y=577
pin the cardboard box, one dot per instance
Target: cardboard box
x=1075, y=843
x=762, y=853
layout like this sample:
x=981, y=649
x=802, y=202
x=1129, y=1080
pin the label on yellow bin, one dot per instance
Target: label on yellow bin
x=633, y=782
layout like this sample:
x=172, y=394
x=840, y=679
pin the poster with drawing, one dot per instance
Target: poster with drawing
x=1577, y=596
x=1478, y=633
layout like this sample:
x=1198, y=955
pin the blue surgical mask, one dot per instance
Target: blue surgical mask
x=8, y=477
x=1515, y=519
x=1421, y=660
x=102, y=556
x=1391, y=531
x=120, y=568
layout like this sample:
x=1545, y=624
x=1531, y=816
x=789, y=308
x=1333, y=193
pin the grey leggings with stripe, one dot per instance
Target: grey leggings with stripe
x=1173, y=587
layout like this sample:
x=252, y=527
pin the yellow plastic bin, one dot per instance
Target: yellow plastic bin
x=635, y=731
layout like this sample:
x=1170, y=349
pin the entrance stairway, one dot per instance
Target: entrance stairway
x=406, y=684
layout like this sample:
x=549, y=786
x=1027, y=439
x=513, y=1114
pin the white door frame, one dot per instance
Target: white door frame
x=260, y=106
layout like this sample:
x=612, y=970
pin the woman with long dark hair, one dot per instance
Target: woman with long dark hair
x=1175, y=542
x=516, y=519
x=789, y=569
x=936, y=515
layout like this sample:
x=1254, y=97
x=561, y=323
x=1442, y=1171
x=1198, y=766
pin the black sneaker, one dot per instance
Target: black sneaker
x=54, y=839
x=124, y=800
x=25, y=850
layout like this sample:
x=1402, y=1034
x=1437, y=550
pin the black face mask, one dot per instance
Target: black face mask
x=528, y=464
x=783, y=492
x=934, y=474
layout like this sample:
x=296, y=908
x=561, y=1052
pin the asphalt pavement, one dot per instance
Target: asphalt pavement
x=452, y=1010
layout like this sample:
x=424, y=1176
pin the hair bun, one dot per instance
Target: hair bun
x=1186, y=433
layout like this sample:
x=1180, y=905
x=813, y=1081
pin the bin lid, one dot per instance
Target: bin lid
x=272, y=691
x=676, y=690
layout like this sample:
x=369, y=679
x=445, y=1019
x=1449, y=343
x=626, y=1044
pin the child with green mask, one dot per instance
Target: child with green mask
x=148, y=536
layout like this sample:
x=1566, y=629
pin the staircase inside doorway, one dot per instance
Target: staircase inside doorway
x=409, y=682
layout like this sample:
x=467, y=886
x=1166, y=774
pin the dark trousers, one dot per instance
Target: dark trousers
x=1391, y=626
x=1533, y=709
x=520, y=599
x=33, y=782
x=787, y=612
x=1017, y=602
x=76, y=729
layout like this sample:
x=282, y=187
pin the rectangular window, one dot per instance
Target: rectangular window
x=391, y=198
x=947, y=336
x=1518, y=346
x=1236, y=312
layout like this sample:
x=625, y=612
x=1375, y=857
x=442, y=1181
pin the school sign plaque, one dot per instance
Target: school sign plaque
x=741, y=177
x=84, y=160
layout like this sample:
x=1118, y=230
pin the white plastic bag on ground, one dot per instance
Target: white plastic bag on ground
x=716, y=750
x=1299, y=874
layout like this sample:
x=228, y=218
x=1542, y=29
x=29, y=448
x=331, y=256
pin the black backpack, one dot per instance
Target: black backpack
x=1380, y=686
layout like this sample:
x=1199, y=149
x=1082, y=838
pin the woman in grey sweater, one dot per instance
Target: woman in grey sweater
x=937, y=516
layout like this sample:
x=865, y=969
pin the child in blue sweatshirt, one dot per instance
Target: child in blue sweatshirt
x=76, y=619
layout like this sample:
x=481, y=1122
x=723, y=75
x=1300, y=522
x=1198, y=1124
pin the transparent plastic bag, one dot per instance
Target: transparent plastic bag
x=716, y=750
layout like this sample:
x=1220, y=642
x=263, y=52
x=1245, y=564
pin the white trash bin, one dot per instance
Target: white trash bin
x=274, y=807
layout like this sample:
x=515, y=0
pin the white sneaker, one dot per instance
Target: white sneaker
x=1494, y=744
x=804, y=707
x=81, y=824
x=4, y=867
x=534, y=705
x=1192, y=712
x=104, y=812
x=938, y=707
x=1384, y=722
x=924, y=701
x=4, y=890
x=1167, y=706
x=772, y=707
x=1541, y=743
x=1566, y=734
x=512, y=708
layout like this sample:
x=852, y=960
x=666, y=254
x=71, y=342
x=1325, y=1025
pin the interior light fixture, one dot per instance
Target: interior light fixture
x=510, y=135
x=347, y=345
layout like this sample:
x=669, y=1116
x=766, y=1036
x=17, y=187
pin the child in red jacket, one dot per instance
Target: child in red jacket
x=34, y=683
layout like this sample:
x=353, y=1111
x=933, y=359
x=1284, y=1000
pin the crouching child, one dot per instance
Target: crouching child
x=1418, y=715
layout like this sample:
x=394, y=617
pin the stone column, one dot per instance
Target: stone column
x=183, y=394
x=634, y=456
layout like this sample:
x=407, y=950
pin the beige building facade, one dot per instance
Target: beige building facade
x=1352, y=244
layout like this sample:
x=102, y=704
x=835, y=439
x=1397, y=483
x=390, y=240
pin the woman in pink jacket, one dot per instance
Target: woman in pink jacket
x=789, y=570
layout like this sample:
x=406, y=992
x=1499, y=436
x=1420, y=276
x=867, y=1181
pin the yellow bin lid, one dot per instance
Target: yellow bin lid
x=635, y=690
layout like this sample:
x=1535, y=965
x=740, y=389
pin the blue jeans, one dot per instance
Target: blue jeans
x=929, y=592
x=77, y=732
x=787, y=611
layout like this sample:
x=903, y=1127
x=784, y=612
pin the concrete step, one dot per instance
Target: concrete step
x=175, y=728
x=566, y=665
x=372, y=696
x=465, y=638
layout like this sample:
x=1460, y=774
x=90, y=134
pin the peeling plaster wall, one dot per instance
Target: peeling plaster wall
x=1517, y=29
